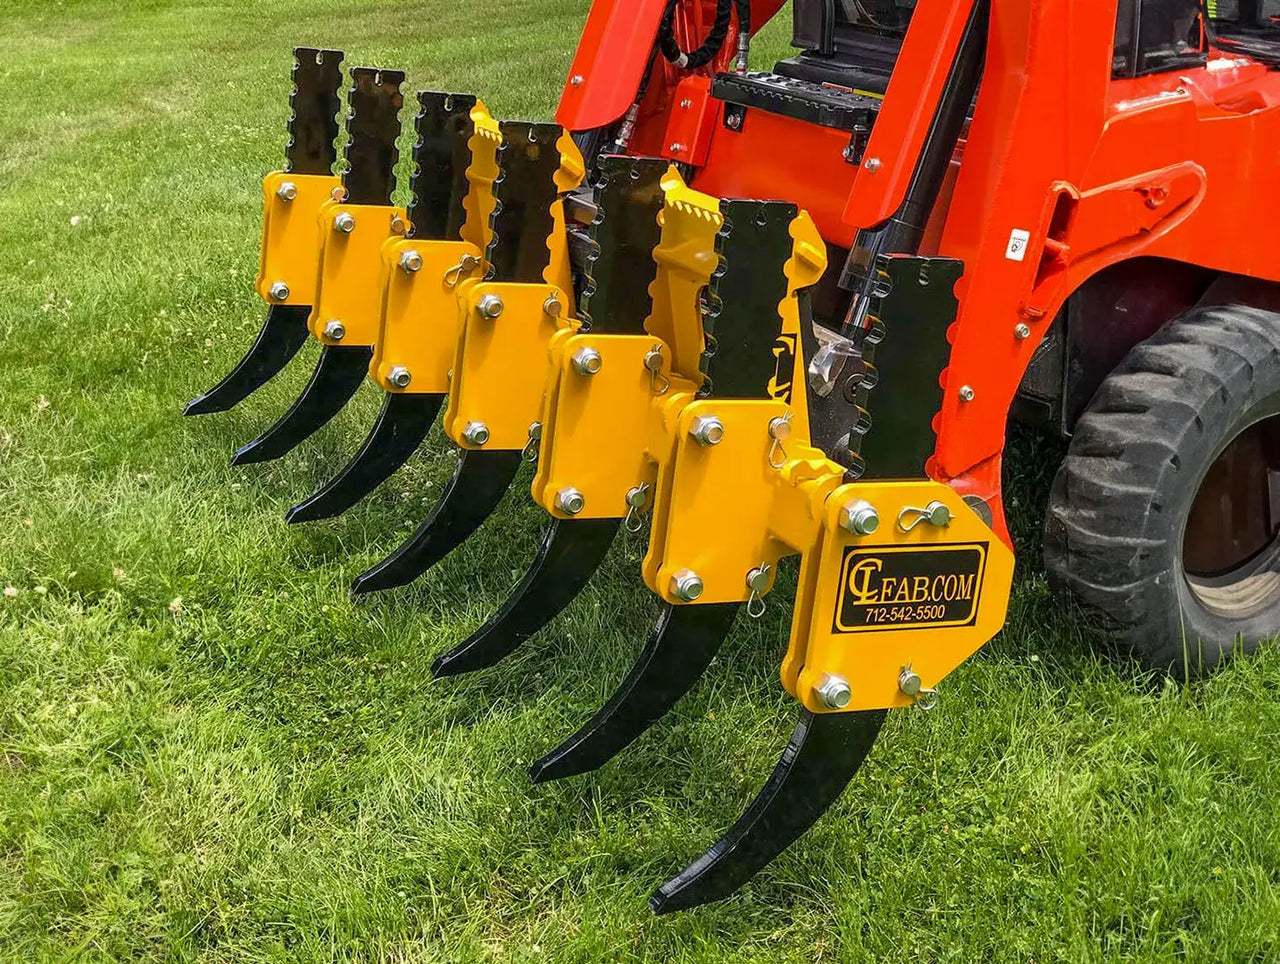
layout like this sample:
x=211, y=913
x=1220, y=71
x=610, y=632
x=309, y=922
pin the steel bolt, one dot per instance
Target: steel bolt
x=587, y=361
x=686, y=585
x=344, y=223
x=476, y=433
x=410, y=261
x=967, y=394
x=707, y=430
x=860, y=518
x=535, y=432
x=733, y=122
x=335, y=330
x=686, y=103
x=400, y=377
x=570, y=501
x=676, y=148
x=909, y=683
x=872, y=164
x=1022, y=331
x=552, y=307
x=279, y=291
x=833, y=691
x=491, y=307
x=576, y=80
x=287, y=191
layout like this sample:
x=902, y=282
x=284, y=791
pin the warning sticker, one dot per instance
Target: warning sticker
x=1019, y=241
x=910, y=587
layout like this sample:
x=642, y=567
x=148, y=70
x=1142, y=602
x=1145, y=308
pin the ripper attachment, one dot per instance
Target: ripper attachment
x=353, y=225
x=290, y=243
x=420, y=272
x=506, y=323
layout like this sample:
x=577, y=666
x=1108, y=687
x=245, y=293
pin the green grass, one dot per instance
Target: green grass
x=208, y=752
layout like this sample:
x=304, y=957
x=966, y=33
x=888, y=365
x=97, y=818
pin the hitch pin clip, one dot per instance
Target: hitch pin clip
x=453, y=276
x=910, y=686
x=779, y=431
x=530, y=453
x=658, y=382
x=637, y=500
x=758, y=583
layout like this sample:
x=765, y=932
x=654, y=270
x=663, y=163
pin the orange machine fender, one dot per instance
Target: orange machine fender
x=610, y=62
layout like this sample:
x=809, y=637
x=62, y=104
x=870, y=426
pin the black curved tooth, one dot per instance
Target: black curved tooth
x=475, y=490
x=677, y=653
x=825, y=752
x=338, y=374
x=400, y=429
x=282, y=334
x=571, y=552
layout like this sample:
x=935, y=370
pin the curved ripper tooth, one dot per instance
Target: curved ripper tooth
x=282, y=334
x=677, y=653
x=825, y=752
x=477, y=486
x=338, y=374
x=400, y=429
x=571, y=551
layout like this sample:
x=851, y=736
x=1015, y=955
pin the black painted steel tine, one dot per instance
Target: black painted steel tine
x=475, y=490
x=282, y=335
x=401, y=427
x=677, y=653
x=571, y=552
x=825, y=752
x=338, y=375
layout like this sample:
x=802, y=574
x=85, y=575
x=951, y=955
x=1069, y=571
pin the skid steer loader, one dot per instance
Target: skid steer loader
x=790, y=313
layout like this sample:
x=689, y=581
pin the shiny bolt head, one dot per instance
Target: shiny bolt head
x=707, y=430
x=686, y=103
x=967, y=394
x=535, y=432
x=552, y=307
x=279, y=291
x=937, y=514
x=491, y=307
x=758, y=579
x=733, y=122
x=399, y=376
x=676, y=148
x=410, y=261
x=833, y=691
x=872, y=164
x=780, y=429
x=686, y=585
x=287, y=191
x=909, y=683
x=653, y=360
x=1022, y=331
x=576, y=80
x=570, y=501
x=344, y=223
x=476, y=433
x=638, y=497
x=587, y=361
x=335, y=330
x=860, y=518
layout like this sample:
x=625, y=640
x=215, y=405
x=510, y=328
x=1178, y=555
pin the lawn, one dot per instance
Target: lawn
x=208, y=752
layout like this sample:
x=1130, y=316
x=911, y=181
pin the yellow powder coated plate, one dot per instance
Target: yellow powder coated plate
x=352, y=272
x=291, y=239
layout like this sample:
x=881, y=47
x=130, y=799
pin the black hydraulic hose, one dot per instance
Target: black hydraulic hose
x=710, y=48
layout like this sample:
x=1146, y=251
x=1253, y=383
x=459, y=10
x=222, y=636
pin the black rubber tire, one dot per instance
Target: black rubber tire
x=1120, y=501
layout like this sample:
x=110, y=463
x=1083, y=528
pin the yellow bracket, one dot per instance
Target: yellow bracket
x=913, y=594
x=290, y=253
x=419, y=329
x=352, y=272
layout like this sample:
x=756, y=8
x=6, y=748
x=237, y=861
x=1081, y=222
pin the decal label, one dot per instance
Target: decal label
x=909, y=587
x=1019, y=241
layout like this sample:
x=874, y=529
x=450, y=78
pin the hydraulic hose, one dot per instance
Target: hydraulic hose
x=714, y=43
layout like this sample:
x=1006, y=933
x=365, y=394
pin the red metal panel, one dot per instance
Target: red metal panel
x=693, y=117
x=610, y=62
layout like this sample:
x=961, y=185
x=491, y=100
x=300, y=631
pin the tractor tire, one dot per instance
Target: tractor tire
x=1163, y=518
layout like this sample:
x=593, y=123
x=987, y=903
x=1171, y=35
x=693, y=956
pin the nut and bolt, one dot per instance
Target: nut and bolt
x=491, y=307
x=476, y=433
x=860, y=518
x=570, y=501
x=733, y=122
x=909, y=683
x=686, y=103
x=279, y=291
x=552, y=307
x=833, y=691
x=707, y=430
x=587, y=361
x=410, y=261
x=399, y=376
x=686, y=585
x=287, y=191
x=344, y=223
x=676, y=148
x=872, y=164
x=967, y=394
x=335, y=330
x=576, y=80
x=1022, y=331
